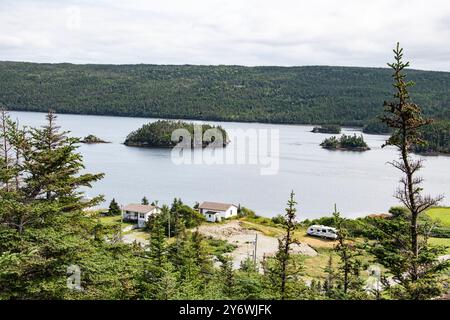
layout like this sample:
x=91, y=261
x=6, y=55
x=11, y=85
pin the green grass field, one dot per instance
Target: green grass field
x=440, y=213
x=108, y=221
x=440, y=242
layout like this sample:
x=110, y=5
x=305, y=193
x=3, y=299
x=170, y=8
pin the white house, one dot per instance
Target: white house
x=215, y=211
x=139, y=213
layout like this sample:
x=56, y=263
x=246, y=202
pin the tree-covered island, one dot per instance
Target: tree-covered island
x=329, y=128
x=346, y=142
x=436, y=136
x=159, y=134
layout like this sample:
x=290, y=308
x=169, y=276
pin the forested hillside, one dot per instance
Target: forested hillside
x=341, y=95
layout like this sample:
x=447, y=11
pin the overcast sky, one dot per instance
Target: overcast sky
x=243, y=32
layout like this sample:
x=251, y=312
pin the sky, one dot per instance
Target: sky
x=230, y=32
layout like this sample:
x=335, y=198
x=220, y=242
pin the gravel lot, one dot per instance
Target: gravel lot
x=244, y=239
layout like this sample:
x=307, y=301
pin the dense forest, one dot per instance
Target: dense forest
x=319, y=95
x=159, y=134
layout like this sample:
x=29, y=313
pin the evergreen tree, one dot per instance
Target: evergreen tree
x=191, y=280
x=174, y=216
x=329, y=283
x=114, y=208
x=42, y=170
x=226, y=277
x=413, y=263
x=350, y=264
x=201, y=256
x=43, y=230
x=144, y=201
x=282, y=270
x=248, y=281
x=54, y=168
x=159, y=278
x=6, y=158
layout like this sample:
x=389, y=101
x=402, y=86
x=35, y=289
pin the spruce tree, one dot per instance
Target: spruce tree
x=6, y=158
x=144, y=201
x=329, y=283
x=226, y=277
x=249, y=281
x=114, y=208
x=405, y=118
x=282, y=269
x=201, y=256
x=159, y=277
x=350, y=264
x=54, y=167
x=40, y=236
x=41, y=174
x=402, y=245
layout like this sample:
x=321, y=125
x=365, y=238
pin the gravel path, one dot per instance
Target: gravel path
x=244, y=239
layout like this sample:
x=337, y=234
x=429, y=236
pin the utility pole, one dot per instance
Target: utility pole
x=121, y=222
x=254, y=251
x=169, y=226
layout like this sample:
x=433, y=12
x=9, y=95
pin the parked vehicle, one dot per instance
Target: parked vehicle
x=322, y=231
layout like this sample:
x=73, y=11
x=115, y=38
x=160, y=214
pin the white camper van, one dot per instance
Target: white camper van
x=322, y=231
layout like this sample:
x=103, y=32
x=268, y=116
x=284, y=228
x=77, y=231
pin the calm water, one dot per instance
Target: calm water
x=360, y=183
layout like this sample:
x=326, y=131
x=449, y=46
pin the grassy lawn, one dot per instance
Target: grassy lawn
x=314, y=266
x=440, y=213
x=440, y=242
x=267, y=230
x=109, y=221
x=300, y=234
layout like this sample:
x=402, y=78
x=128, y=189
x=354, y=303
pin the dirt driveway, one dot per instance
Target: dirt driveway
x=244, y=239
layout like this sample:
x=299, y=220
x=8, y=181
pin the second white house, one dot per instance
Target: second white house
x=216, y=211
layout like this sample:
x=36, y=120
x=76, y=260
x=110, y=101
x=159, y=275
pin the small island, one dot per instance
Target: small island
x=376, y=126
x=329, y=128
x=91, y=139
x=436, y=138
x=159, y=135
x=346, y=142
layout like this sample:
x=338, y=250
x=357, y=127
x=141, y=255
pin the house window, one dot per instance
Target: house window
x=141, y=215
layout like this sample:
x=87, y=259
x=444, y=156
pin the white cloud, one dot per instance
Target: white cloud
x=244, y=32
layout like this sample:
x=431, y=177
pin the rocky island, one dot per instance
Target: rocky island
x=346, y=142
x=91, y=139
x=159, y=134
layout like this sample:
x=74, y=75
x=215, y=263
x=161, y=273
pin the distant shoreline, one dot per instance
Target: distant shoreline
x=352, y=127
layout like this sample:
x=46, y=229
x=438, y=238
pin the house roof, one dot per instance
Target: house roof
x=140, y=208
x=215, y=206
